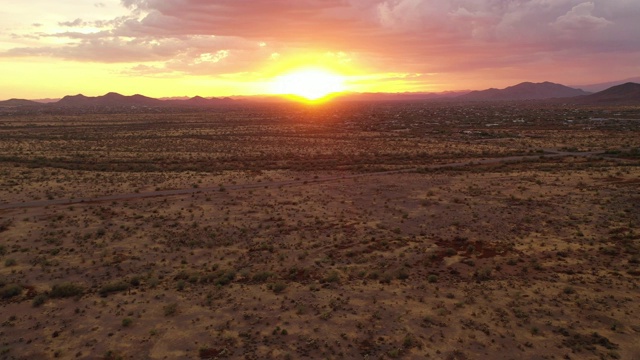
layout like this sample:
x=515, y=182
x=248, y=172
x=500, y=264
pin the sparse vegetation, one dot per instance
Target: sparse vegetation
x=10, y=290
x=39, y=300
x=10, y=262
x=107, y=289
x=170, y=309
x=65, y=290
x=315, y=247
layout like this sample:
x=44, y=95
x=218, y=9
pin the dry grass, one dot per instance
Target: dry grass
x=530, y=259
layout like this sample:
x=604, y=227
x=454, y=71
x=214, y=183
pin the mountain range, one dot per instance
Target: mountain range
x=624, y=94
x=117, y=100
x=114, y=99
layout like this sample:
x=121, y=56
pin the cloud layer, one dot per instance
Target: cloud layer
x=457, y=38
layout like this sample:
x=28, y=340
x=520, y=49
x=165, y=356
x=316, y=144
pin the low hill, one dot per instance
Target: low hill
x=524, y=91
x=18, y=102
x=594, y=88
x=625, y=94
x=198, y=101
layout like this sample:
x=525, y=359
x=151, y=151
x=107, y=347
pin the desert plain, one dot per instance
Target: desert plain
x=342, y=231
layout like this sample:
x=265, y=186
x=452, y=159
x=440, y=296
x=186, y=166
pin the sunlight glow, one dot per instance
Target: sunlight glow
x=310, y=84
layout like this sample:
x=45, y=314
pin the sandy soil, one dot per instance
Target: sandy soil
x=535, y=258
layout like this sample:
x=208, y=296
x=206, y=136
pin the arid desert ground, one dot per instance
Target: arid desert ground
x=344, y=231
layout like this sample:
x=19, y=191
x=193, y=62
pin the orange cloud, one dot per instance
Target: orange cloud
x=464, y=43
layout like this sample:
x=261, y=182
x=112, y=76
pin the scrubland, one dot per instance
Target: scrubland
x=322, y=232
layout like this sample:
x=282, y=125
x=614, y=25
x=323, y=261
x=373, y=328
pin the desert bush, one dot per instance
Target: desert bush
x=112, y=355
x=135, y=281
x=224, y=277
x=10, y=262
x=609, y=250
x=394, y=353
x=180, y=285
x=39, y=300
x=65, y=290
x=483, y=274
x=5, y=225
x=409, y=341
x=332, y=277
x=11, y=290
x=278, y=287
x=403, y=274
x=262, y=276
x=387, y=277
x=112, y=288
x=170, y=309
x=219, y=278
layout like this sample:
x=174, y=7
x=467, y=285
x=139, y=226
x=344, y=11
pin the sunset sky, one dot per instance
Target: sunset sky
x=239, y=47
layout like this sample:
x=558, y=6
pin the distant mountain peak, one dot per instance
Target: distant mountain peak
x=607, y=85
x=623, y=94
x=524, y=91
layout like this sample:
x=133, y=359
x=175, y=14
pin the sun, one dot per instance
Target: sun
x=309, y=84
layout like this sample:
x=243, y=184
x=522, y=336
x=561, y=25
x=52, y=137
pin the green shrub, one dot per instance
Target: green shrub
x=112, y=288
x=403, y=274
x=409, y=341
x=386, y=278
x=181, y=284
x=224, y=277
x=170, y=309
x=262, y=276
x=112, y=355
x=483, y=274
x=126, y=322
x=39, y=300
x=278, y=287
x=332, y=277
x=135, y=281
x=65, y=290
x=219, y=277
x=10, y=262
x=11, y=290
